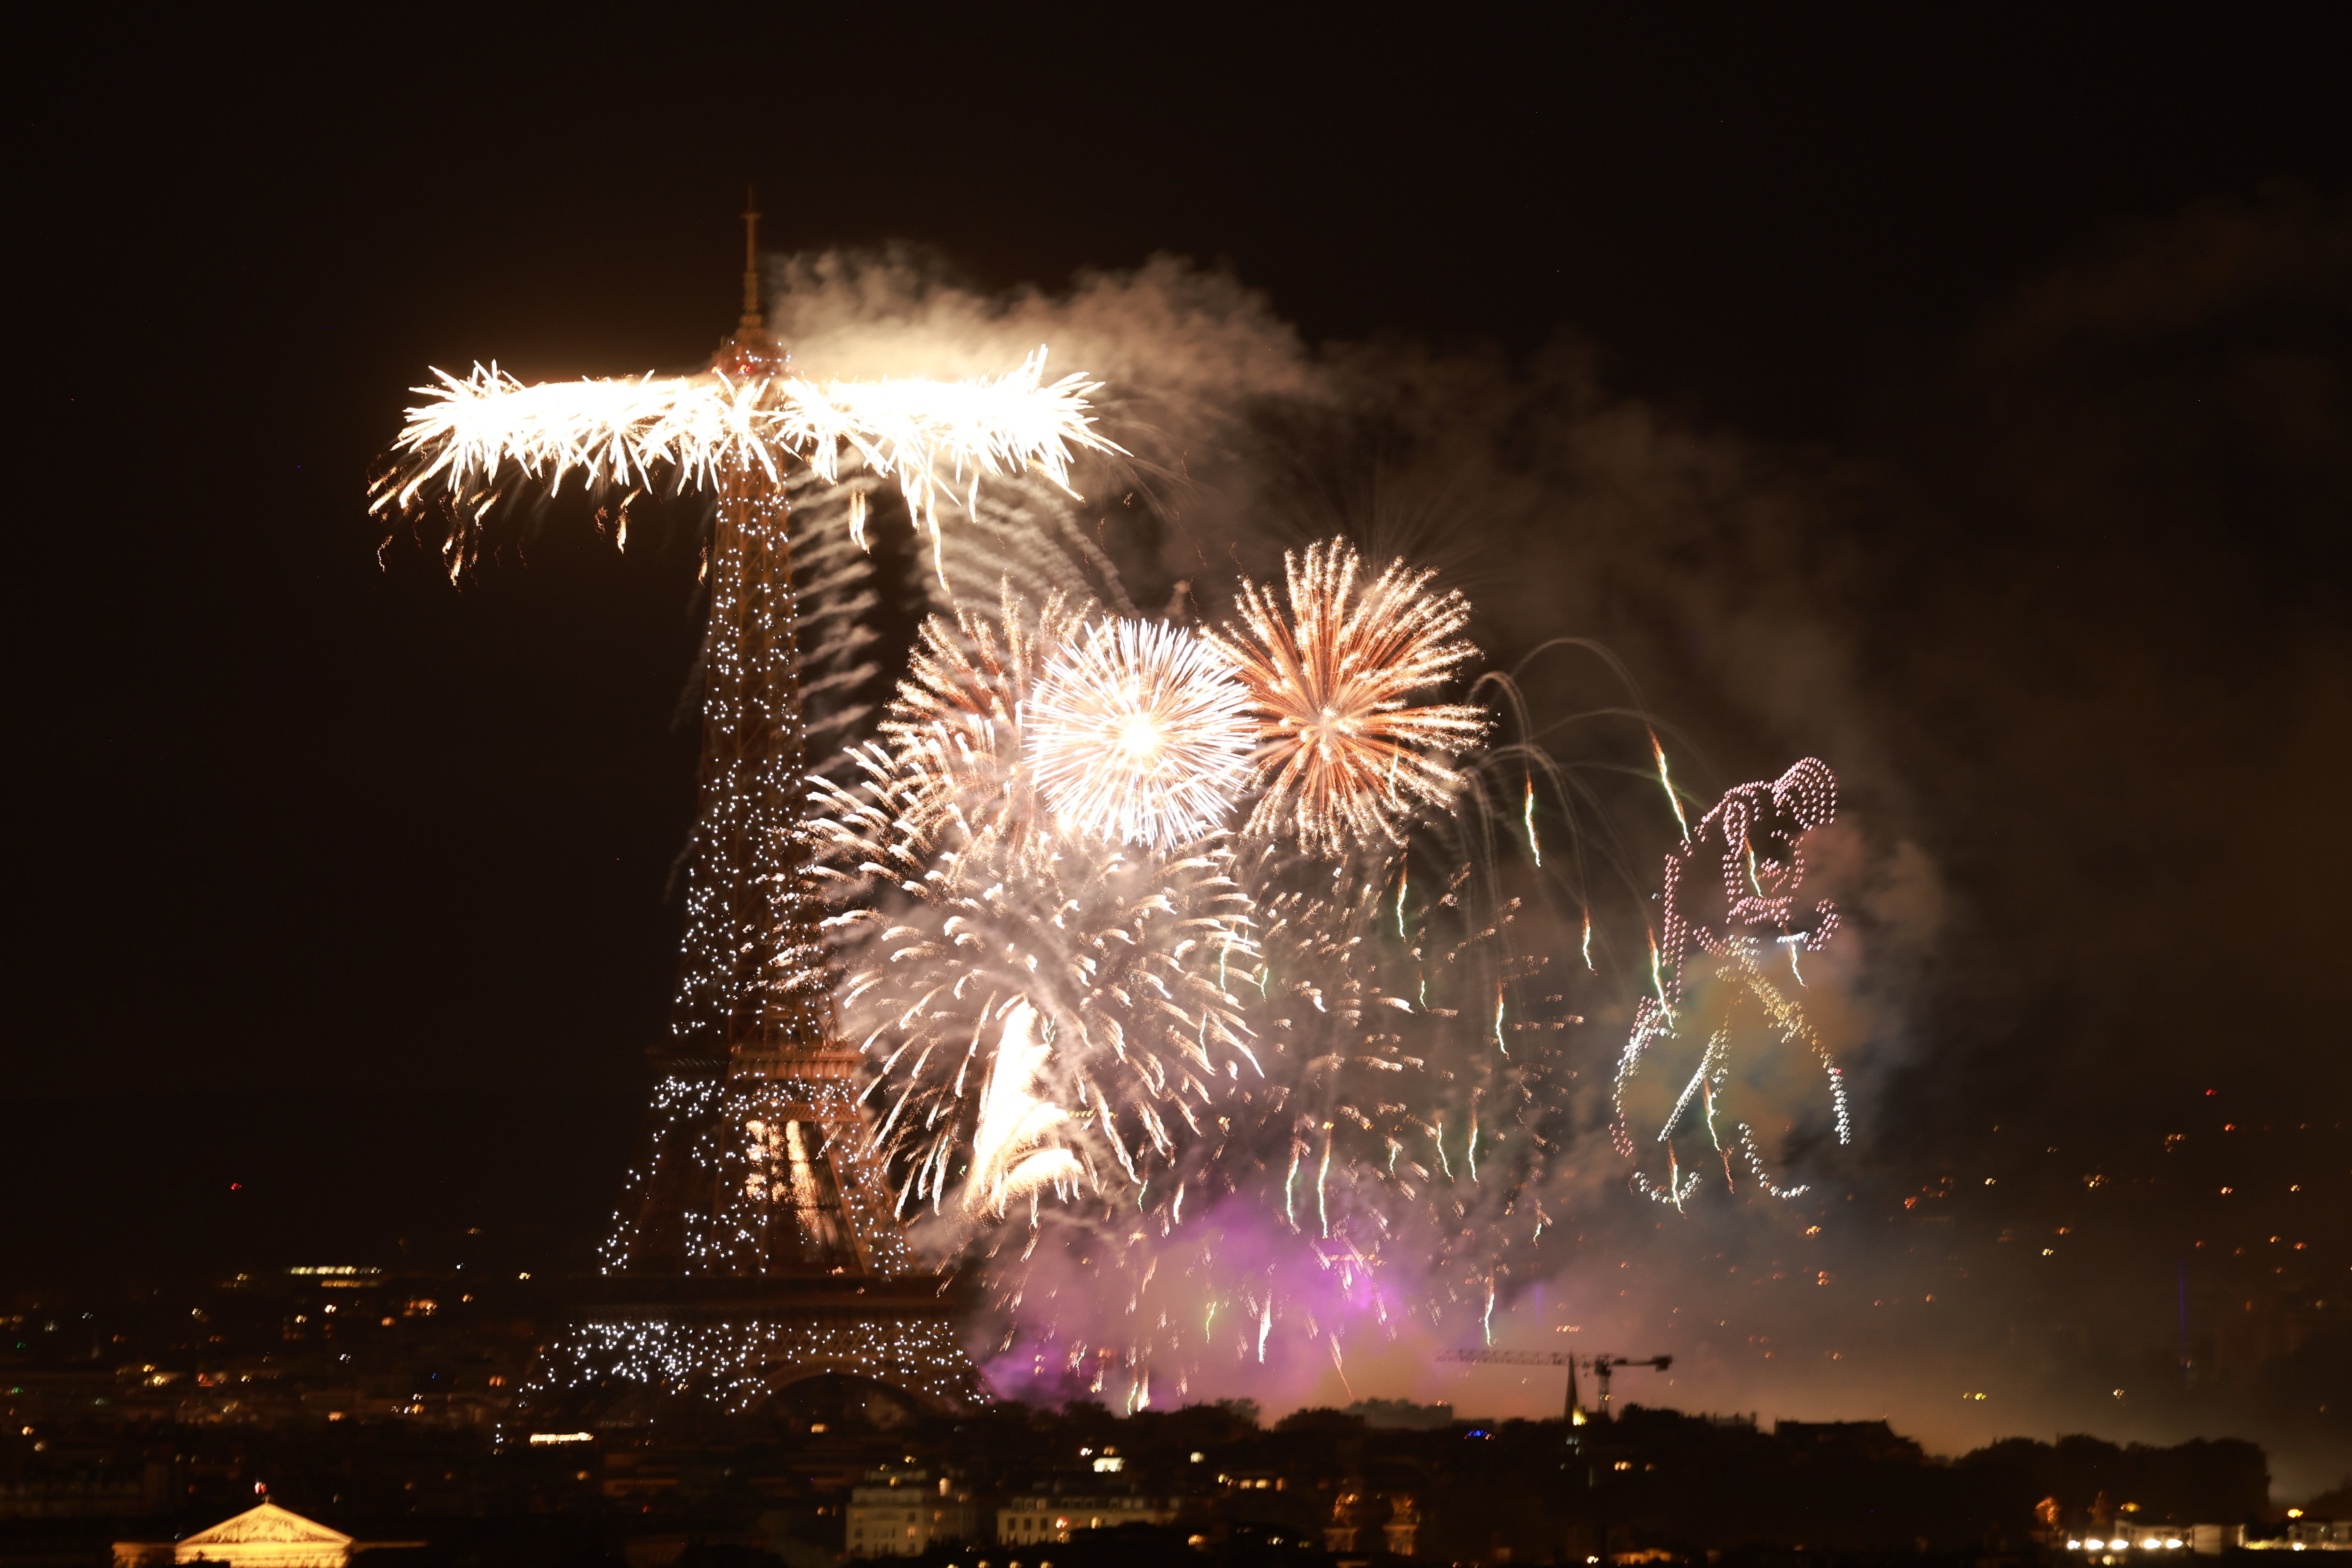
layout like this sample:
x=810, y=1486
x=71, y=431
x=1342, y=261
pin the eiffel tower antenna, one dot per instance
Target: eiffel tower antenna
x=752, y=322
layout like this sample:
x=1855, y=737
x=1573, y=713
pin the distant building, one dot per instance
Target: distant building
x=264, y=1537
x=1404, y=1521
x=1053, y=1516
x=899, y=1513
x=2319, y=1535
x=2213, y=1539
x=1355, y=1512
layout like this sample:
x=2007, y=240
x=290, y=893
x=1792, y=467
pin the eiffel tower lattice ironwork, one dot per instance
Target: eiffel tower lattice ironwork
x=756, y=1246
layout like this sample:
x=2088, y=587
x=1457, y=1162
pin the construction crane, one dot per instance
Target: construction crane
x=1600, y=1366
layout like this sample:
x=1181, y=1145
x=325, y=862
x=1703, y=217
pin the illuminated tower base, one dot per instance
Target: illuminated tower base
x=741, y=1346
x=758, y=1256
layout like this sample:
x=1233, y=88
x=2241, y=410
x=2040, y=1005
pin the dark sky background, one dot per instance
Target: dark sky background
x=2005, y=357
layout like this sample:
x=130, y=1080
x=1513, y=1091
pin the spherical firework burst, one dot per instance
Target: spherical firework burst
x=1342, y=751
x=1138, y=735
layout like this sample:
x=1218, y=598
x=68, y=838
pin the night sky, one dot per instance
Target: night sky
x=1964, y=405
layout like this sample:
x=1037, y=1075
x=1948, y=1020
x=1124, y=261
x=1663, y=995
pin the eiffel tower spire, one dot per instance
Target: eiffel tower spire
x=751, y=321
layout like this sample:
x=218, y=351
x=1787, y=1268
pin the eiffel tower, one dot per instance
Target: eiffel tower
x=755, y=1247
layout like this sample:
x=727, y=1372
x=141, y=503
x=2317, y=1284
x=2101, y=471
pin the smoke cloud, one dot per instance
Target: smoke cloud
x=2058, y=613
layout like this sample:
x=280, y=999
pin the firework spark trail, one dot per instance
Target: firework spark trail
x=1011, y=1154
x=1666, y=781
x=938, y=438
x=1342, y=751
x=1025, y=535
x=1138, y=734
x=833, y=581
x=1718, y=974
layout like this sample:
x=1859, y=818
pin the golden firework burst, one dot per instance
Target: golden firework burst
x=1343, y=750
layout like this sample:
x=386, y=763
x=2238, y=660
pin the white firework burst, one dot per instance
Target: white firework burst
x=1140, y=734
x=1040, y=1009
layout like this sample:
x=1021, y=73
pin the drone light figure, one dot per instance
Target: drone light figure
x=1728, y=969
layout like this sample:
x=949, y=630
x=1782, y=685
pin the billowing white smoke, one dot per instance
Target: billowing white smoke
x=1562, y=513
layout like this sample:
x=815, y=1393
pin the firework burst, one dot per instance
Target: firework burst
x=1343, y=752
x=953, y=742
x=1191, y=1104
x=1257, y=1101
x=1391, y=1165
x=1138, y=734
x=1085, y=984
x=1040, y=1010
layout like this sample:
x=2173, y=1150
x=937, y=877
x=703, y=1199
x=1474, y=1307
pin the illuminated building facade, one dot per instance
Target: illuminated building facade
x=902, y=1513
x=1053, y=1516
x=263, y=1537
